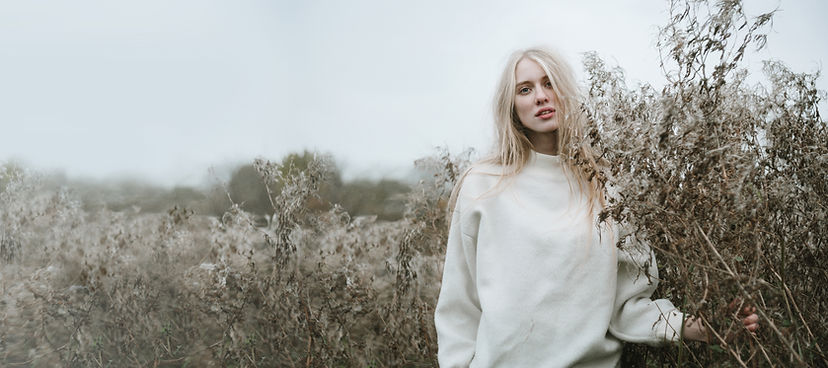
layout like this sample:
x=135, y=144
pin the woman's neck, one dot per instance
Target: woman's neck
x=546, y=143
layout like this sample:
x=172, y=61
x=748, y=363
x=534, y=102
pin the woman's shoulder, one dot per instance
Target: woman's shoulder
x=480, y=178
x=485, y=168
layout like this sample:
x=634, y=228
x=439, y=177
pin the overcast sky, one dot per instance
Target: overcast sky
x=165, y=89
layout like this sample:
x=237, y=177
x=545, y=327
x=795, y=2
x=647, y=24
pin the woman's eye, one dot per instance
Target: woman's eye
x=524, y=90
x=549, y=84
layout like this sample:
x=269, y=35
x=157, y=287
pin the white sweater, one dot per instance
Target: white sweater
x=529, y=281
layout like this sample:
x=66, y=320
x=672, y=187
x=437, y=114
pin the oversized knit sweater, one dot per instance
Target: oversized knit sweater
x=530, y=280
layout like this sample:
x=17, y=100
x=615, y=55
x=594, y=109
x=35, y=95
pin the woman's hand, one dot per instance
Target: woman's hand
x=694, y=328
x=748, y=315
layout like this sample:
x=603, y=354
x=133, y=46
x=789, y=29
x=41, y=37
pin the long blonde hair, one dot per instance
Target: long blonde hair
x=513, y=149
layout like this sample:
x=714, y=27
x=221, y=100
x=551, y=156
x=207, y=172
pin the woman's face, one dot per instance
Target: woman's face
x=535, y=102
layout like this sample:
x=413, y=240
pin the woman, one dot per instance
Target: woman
x=529, y=279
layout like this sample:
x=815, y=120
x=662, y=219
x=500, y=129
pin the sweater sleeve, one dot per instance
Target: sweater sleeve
x=457, y=314
x=636, y=317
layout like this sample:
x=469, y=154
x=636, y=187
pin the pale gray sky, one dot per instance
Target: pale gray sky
x=165, y=89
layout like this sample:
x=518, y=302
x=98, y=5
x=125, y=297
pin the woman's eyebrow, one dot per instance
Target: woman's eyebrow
x=544, y=78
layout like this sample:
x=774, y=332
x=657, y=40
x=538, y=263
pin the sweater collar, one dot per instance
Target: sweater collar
x=544, y=160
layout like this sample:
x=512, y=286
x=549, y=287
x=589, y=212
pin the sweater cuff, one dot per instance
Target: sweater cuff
x=670, y=328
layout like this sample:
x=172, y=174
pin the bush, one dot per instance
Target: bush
x=726, y=181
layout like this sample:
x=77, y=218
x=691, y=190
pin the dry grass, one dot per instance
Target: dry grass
x=128, y=289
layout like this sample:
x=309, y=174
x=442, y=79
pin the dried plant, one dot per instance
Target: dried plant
x=726, y=180
x=179, y=289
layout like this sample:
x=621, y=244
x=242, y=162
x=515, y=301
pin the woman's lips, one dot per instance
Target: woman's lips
x=546, y=113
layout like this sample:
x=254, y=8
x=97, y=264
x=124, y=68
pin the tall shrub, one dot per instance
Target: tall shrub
x=726, y=180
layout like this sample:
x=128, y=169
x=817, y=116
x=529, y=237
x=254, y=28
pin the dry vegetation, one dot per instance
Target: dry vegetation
x=726, y=180
x=313, y=288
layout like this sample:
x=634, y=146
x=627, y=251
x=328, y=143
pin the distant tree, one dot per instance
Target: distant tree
x=383, y=198
x=329, y=190
x=216, y=201
x=247, y=189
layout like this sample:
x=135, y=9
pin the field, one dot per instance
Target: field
x=726, y=180
x=312, y=288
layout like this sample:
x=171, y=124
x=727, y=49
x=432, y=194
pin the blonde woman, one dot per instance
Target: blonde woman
x=529, y=279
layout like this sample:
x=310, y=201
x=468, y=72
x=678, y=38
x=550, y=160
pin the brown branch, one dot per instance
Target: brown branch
x=747, y=295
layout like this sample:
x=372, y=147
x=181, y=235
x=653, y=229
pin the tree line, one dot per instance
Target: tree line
x=384, y=198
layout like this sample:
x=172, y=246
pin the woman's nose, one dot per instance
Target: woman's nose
x=541, y=97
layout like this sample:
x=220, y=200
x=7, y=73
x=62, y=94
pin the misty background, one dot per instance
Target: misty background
x=179, y=94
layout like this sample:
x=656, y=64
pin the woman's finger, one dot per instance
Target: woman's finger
x=733, y=304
